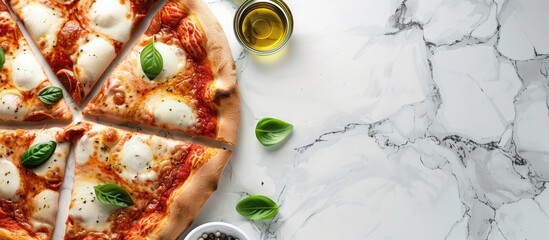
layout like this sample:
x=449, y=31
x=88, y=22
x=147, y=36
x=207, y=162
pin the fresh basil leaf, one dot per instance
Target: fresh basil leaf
x=37, y=154
x=151, y=61
x=50, y=95
x=257, y=207
x=2, y=57
x=113, y=194
x=270, y=131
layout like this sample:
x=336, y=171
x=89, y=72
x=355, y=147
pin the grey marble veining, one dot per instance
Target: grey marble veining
x=414, y=119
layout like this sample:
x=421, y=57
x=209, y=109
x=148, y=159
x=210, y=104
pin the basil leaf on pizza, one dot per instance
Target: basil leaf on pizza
x=113, y=194
x=257, y=207
x=50, y=95
x=270, y=131
x=37, y=154
x=151, y=61
x=2, y=58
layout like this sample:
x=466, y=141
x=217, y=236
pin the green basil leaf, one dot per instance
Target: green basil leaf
x=50, y=95
x=151, y=61
x=270, y=131
x=37, y=154
x=113, y=194
x=2, y=57
x=257, y=207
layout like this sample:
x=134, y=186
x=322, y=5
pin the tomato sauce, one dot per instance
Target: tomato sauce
x=207, y=121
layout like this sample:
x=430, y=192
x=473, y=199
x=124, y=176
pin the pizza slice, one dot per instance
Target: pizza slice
x=32, y=166
x=129, y=185
x=22, y=80
x=80, y=38
x=180, y=75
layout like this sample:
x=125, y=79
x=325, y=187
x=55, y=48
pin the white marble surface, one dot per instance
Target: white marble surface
x=414, y=119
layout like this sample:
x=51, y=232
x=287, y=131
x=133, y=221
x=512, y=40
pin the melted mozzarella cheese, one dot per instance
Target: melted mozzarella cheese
x=89, y=145
x=43, y=23
x=136, y=155
x=83, y=150
x=171, y=112
x=137, y=160
x=173, y=57
x=45, y=135
x=45, y=208
x=11, y=107
x=86, y=209
x=96, y=128
x=112, y=18
x=57, y=160
x=26, y=72
x=9, y=179
x=93, y=58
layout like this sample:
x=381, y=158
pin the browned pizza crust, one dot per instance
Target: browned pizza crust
x=186, y=202
x=226, y=93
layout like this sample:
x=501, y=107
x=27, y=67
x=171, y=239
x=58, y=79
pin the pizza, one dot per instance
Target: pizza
x=32, y=167
x=179, y=75
x=80, y=38
x=194, y=87
x=22, y=78
x=165, y=181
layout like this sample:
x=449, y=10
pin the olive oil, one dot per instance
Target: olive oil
x=263, y=27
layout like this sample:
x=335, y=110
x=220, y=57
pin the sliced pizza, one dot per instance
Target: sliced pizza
x=80, y=38
x=129, y=185
x=32, y=167
x=26, y=94
x=180, y=75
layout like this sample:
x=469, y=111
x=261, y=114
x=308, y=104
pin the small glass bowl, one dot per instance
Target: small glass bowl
x=280, y=6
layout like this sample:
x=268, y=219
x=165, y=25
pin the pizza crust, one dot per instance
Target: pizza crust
x=186, y=202
x=225, y=92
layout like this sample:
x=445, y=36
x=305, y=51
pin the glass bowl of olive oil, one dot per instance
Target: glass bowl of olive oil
x=263, y=26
